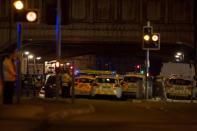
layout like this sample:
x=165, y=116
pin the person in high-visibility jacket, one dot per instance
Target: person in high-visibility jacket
x=66, y=80
x=9, y=77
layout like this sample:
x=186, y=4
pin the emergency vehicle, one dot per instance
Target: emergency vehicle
x=129, y=83
x=178, y=85
x=83, y=85
x=106, y=85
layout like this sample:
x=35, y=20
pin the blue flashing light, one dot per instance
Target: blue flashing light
x=76, y=72
x=114, y=73
x=57, y=26
x=18, y=37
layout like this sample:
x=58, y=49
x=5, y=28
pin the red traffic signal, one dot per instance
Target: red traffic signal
x=71, y=67
x=138, y=66
x=57, y=66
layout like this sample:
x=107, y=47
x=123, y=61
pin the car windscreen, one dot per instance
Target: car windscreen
x=132, y=79
x=106, y=80
x=179, y=82
x=84, y=80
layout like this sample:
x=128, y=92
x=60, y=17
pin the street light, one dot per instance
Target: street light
x=179, y=53
x=30, y=56
x=179, y=56
x=67, y=63
x=26, y=52
x=38, y=58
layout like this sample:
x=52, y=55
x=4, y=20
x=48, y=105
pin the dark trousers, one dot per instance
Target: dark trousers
x=65, y=91
x=8, y=92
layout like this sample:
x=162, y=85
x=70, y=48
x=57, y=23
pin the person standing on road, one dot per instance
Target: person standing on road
x=66, y=83
x=9, y=78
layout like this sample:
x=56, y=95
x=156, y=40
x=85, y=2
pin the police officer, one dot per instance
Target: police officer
x=9, y=77
x=66, y=84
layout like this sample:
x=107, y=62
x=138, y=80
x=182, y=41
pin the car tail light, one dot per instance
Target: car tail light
x=42, y=92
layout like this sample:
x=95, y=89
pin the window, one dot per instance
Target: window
x=106, y=80
x=180, y=82
x=83, y=80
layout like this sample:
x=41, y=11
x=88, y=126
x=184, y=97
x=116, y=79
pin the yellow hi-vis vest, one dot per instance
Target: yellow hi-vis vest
x=66, y=79
x=9, y=70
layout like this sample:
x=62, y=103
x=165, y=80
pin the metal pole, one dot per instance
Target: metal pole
x=73, y=82
x=10, y=21
x=58, y=44
x=147, y=73
x=18, y=63
x=147, y=68
x=195, y=38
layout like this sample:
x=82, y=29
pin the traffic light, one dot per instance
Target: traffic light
x=151, y=41
x=142, y=71
x=57, y=66
x=147, y=32
x=155, y=41
x=138, y=66
x=71, y=67
x=21, y=14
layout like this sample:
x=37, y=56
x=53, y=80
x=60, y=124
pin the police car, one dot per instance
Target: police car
x=106, y=85
x=129, y=84
x=83, y=85
x=178, y=85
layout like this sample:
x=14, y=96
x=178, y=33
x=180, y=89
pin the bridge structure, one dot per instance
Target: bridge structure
x=105, y=27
